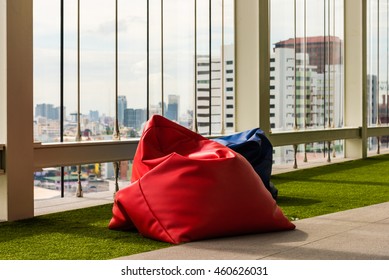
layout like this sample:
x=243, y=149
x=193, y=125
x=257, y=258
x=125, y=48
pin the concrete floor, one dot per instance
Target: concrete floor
x=358, y=234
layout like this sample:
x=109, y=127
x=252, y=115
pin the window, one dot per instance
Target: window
x=307, y=40
x=156, y=72
x=153, y=58
x=378, y=69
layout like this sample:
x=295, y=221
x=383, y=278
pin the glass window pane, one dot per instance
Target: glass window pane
x=282, y=64
x=46, y=70
x=203, y=67
x=372, y=65
x=179, y=53
x=97, y=64
x=155, y=58
x=306, y=64
x=132, y=68
x=229, y=66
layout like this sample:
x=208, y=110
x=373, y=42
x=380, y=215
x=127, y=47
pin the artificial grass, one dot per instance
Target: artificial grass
x=333, y=188
x=83, y=234
x=72, y=235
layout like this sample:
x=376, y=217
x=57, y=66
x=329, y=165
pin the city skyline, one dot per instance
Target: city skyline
x=97, y=51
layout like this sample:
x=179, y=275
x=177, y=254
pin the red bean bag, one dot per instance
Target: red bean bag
x=186, y=187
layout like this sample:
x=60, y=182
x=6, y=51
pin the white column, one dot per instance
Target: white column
x=355, y=75
x=252, y=58
x=247, y=64
x=16, y=109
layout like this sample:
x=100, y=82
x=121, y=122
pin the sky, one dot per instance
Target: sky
x=97, y=56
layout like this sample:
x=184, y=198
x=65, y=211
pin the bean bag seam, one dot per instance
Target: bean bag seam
x=153, y=214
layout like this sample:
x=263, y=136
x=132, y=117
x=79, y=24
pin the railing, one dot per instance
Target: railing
x=77, y=153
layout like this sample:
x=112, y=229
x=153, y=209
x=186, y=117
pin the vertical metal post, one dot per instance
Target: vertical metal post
x=324, y=73
x=295, y=146
x=223, y=89
x=329, y=62
x=79, y=192
x=61, y=106
x=78, y=135
x=378, y=75
x=162, y=62
x=324, y=66
x=116, y=134
x=305, y=65
x=194, y=119
x=333, y=74
x=210, y=66
x=116, y=131
x=116, y=168
x=148, y=61
x=305, y=77
x=295, y=66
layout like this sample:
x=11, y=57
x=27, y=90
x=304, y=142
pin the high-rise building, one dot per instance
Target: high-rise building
x=122, y=105
x=314, y=99
x=216, y=93
x=304, y=93
x=134, y=118
x=173, y=107
x=48, y=111
x=322, y=50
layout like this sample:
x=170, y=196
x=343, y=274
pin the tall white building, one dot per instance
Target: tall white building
x=215, y=93
x=302, y=98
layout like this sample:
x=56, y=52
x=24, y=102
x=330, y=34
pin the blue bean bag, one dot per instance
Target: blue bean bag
x=257, y=149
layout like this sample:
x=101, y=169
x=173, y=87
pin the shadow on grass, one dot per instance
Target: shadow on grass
x=346, y=166
x=339, y=182
x=296, y=201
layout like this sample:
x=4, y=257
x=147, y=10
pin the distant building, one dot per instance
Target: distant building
x=48, y=111
x=322, y=50
x=134, y=118
x=172, y=107
x=94, y=116
x=306, y=88
x=122, y=106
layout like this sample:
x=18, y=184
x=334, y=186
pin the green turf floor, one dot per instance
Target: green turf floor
x=83, y=234
x=332, y=188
